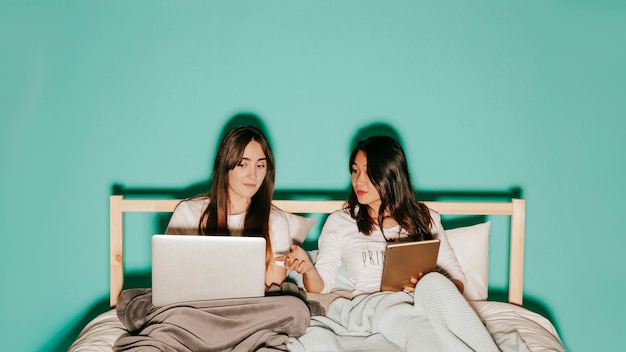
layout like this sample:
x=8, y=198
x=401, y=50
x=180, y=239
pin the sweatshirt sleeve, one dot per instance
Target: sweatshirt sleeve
x=279, y=230
x=186, y=218
x=328, y=258
x=447, y=258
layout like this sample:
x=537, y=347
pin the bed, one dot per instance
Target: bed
x=511, y=326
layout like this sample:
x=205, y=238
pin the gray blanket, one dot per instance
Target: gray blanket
x=244, y=324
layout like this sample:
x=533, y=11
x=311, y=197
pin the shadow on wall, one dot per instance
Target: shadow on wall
x=143, y=279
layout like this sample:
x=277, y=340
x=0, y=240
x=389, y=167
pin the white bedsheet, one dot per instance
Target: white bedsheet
x=504, y=320
x=99, y=334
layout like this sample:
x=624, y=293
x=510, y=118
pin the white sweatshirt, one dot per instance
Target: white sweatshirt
x=186, y=217
x=341, y=241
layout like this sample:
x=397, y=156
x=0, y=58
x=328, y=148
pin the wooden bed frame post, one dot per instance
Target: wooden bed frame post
x=116, y=252
x=516, y=269
x=119, y=206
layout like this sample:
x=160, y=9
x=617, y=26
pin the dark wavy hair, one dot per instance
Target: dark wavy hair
x=388, y=171
x=214, y=220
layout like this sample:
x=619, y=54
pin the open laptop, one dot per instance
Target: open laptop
x=404, y=260
x=190, y=268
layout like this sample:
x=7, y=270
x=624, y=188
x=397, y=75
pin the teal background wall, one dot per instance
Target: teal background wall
x=485, y=95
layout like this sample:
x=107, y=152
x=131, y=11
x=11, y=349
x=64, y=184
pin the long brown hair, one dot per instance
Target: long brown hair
x=388, y=171
x=214, y=220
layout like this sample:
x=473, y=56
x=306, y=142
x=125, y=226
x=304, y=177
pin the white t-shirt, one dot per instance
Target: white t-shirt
x=186, y=217
x=341, y=241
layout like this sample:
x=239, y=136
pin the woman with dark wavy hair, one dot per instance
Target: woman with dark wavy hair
x=382, y=207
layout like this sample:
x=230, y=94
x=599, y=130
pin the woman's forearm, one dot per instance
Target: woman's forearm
x=275, y=275
x=313, y=281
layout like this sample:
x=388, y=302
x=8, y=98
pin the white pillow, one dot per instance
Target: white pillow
x=299, y=227
x=471, y=246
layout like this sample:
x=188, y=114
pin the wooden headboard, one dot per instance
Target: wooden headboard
x=516, y=209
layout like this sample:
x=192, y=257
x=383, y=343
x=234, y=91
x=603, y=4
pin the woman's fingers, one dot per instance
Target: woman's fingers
x=413, y=280
x=293, y=263
x=296, y=260
x=299, y=265
x=290, y=262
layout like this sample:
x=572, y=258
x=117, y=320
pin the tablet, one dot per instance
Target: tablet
x=404, y=260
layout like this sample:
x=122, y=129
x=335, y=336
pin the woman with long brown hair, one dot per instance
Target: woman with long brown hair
x=239, y=200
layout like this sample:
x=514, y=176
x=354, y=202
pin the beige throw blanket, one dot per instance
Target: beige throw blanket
x=244, y=324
